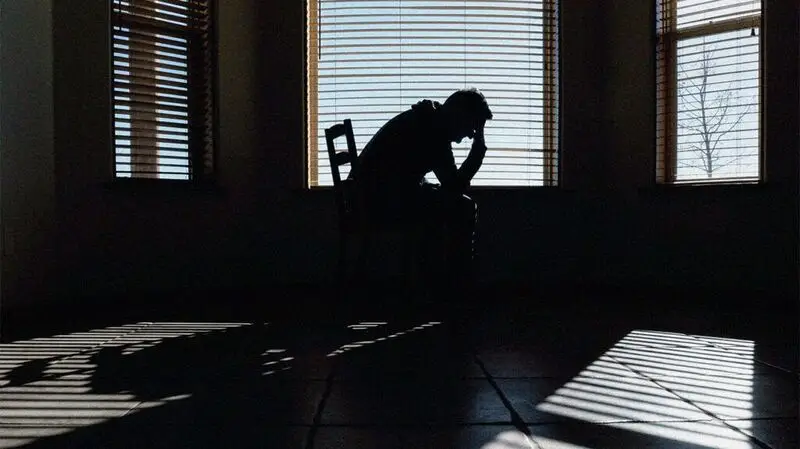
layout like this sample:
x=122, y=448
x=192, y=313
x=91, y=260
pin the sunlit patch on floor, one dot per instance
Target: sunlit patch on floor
x=366, y=325
x=674, y=386
x=276, y=361
x=362, y=343
x=46, y=384
x=511, y=439
x=551, y=443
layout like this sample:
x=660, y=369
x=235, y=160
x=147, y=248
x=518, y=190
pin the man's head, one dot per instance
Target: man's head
x=465, y=112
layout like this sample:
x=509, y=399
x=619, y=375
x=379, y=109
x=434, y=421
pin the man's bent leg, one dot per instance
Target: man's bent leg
x=448, y=224
x=461, y=221
x=459, y=214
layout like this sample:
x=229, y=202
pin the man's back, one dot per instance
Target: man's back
x=405, y=149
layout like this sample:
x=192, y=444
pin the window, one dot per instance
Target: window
x=163, y=88
x=369, y=60
x=708, y=85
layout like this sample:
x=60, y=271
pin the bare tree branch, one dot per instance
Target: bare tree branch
x=710, y=117
x=729, y=162
x=730, y=128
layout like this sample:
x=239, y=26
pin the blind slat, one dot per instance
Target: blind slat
x=186, y=13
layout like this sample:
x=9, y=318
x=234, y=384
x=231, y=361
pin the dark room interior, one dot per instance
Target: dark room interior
x=608, y=310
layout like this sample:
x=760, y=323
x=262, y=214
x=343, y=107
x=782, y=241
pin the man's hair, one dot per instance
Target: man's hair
x=470, y=102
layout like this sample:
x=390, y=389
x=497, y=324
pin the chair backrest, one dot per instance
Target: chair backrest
x=342, y=188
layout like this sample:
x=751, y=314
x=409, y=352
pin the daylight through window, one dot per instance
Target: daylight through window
x=162, y=81
x=369, y=60
x=708, y=90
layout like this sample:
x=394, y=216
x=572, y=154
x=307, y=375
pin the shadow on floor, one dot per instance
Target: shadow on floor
x=380, y=383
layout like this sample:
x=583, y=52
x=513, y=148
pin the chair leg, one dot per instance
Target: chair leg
x=356, y=278
x=342, y=272
x=416, y=265
x=363, y=249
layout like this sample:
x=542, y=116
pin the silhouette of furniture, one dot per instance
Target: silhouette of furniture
x=355, y=229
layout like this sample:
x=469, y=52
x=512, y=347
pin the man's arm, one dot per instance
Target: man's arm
x=474, y=159
x=458, y=180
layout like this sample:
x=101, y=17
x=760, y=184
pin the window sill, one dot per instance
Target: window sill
x=515, y=189
x=710, y=188
x=708, y=185
x=477, y=193
x=471, y=189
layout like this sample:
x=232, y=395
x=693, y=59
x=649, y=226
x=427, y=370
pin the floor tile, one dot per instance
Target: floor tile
x=537, y=361
x=784, y=357
x=555, y=333
x=36, y=408
x=325, y=437
x=768, y=356
x=24, y=435
x=672, y=435
x=414, y=401
x=776, y=433
x=760, y=396
x=663, y=339
x=407, y=355
x=285, y=402
x=684, y=362
x=596, y=399
x=311, y=365
x=182, y=423
x=403, y=364
x=466, y=437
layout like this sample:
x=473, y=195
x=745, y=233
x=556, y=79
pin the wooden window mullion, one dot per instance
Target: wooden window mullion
x=667, y=85
x=312, y=103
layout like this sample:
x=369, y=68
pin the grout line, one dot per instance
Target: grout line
x=763, y=444
x=713, y=415
x=516, y=419
x=784, y=371
x=411, y=425
x=329, y=379
x=752, y=358
x=315, y=424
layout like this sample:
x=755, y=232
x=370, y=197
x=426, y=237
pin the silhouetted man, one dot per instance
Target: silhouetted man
x=392, y=168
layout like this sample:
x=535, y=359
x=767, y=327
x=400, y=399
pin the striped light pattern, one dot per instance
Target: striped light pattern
x=666, y=384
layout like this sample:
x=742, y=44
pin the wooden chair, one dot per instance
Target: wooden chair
x=354, y=227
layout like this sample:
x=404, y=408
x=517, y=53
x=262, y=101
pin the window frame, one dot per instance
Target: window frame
x=668, y=37
x=551, y=151
x=202, y=140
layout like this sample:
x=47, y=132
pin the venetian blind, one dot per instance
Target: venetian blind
x=369, y=60
x=708, y=85
x=163, y=88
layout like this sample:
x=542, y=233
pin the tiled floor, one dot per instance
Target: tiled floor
x=563, y=376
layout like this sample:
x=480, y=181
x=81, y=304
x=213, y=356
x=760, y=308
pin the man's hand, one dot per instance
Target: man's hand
x=478, y=141
x=479, y=129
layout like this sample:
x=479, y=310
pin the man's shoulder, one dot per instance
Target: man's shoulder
x=415, y=127
x=420, y=114
x=404, y=126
